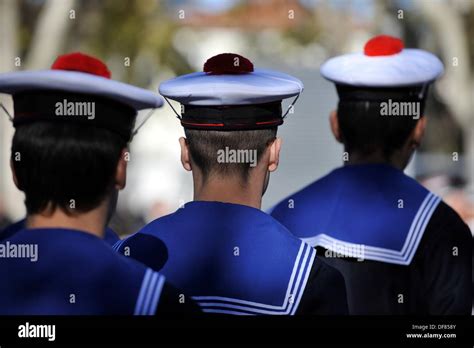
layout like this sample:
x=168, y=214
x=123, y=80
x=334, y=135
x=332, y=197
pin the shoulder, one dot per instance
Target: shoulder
x=288, y=203
x=323, y=273
x=145, y=248
x=445, y=224
x=443, y=263
x=446, y=235
x=112, y=267
x=325, y=292
x=292, y=211
x=163, y=225
x=112, y=281
x=174, y=302
x=136, y=287
x=280, y=230
x=10, y=230
x=149, y=233
x=110, y=236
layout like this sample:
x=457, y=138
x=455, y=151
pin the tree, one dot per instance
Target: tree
x=447, y=22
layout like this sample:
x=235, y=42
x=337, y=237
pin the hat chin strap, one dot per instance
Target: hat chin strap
x=422, y=93
x=152, y=111
x=283, y=116
x=10, y=118
x=174, y=110
x=291, y=105
x=145, y=119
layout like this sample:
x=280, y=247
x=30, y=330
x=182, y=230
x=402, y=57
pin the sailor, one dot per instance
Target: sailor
x=400, y=248
x=221, y=249
x=70, y=168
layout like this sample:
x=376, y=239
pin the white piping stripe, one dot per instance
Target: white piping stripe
x=305, y=268
x=370, y=253
x=138, y=305
x=296, y=269
x=149, y=293
x=422, y=228
x=414, y=223
x=203, y=305
x=419, y=224
x=329, y=242
x=117, y=245
x=262, y=305
x=157, y=294
x=403, y=257
x=298, y=281
x=262, y=311
x=305, y=281
x=414, y=230
x=372, y=249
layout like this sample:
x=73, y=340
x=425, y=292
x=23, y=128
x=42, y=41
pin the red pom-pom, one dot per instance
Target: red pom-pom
x=228, y=63
x=383, y=45
x=81, y=62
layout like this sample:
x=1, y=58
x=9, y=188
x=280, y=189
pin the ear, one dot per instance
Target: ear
x=121, y=171
x=274, y=155
x=185, y=157
x=334, y=122
x=15, y=179
x=419, y=130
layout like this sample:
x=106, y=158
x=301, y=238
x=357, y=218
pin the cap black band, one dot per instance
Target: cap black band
x=60, y=106
x=232, y=117
x=357, y=93
x=374, y=96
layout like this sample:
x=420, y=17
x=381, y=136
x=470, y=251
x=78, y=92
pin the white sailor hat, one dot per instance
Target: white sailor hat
x=76, y=78
x=229, y=94
x=384, y=63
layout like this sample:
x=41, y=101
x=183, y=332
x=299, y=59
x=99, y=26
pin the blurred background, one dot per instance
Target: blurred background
x=145, y=42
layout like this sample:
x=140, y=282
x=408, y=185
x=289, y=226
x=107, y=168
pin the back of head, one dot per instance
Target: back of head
x=230, y=154
x=230, y=114
x=382, y=93
x=66, y=166
x=366, y=129
x=72, y=123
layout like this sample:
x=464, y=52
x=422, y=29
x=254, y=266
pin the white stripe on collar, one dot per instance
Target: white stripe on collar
x=150, y=292
x=296, y=285
x=362, y=251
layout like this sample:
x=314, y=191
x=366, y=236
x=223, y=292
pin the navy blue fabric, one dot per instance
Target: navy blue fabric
x=12, y=229
x=73, y=273
x=231, y=258
x=371, y=211
x=110, y=236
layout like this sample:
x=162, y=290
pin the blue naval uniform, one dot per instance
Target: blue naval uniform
x=73, y=266
x=235, y=259
x=110, y=236
x=388, y=236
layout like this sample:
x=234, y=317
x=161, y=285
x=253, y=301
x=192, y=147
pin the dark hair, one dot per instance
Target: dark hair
x=364, y=127
x=204, y=146
x=364, y=130
x=58, y=162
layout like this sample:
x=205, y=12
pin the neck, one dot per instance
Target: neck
x=229, y=191
x=92, y=222
x=395, y=161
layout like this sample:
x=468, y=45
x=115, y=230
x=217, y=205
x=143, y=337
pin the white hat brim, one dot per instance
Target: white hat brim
x=409, y=67
x=258, y=87
x=78, y=82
